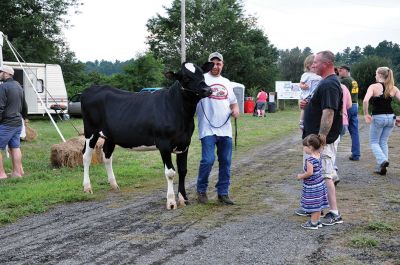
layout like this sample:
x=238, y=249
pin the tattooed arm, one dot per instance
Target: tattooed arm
x=326, y=124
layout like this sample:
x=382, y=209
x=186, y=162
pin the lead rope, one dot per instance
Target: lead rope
x=235, y=134
x=202, y=108
x=216, y=127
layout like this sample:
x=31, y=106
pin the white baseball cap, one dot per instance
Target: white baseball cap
x=215, y=55
x=7, y=69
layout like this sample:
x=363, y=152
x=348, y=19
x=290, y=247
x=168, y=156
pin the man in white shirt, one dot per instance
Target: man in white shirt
x=215, y=130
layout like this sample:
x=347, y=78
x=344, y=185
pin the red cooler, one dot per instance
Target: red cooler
x=249, y=105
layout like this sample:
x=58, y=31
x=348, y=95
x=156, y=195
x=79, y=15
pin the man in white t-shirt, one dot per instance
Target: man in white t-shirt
x=215, y=130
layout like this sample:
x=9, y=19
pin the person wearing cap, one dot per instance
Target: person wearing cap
x=12, y=105
x=351, y=84
x=215, y=131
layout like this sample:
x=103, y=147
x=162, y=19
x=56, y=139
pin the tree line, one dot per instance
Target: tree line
x=35, y=29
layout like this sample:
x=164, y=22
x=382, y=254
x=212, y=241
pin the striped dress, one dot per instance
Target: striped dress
x=314, y=194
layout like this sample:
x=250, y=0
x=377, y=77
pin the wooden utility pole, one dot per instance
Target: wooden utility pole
x=1, y=48
x=183, y=32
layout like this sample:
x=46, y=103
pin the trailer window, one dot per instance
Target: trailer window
x=39, y=86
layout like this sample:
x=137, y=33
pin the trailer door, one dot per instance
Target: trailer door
x=30, y=95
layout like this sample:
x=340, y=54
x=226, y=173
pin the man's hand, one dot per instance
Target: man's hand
x=303, y=103
x=322, y=137
x=235, y=110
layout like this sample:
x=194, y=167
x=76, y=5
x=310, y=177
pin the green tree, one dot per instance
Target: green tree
x=216, y=25
x=34, y=27
x=368, y=50
x=291, y=63
x=355, y=55
x=364, y=72
x=145, y=71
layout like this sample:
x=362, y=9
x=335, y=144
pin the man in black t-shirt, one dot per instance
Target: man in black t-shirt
x=322, y=116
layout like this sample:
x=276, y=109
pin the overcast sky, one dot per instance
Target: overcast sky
x=115, y=30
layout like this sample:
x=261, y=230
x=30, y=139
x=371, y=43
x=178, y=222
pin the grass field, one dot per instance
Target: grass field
x=44, y=186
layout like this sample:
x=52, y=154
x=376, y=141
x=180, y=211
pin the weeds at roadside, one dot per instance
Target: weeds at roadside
x=363, y=241
x=379, y=226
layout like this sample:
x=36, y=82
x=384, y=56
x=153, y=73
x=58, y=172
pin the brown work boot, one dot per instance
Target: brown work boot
x=225, y=200
x=202, y=197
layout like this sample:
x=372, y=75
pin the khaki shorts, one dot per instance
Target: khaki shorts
x=328, y=157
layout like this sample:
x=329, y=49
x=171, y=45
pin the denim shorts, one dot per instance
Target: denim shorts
x=9, y=136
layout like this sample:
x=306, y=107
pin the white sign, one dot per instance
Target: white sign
x=287, y=90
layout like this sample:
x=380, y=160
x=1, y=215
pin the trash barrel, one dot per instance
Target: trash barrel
x=271, y=107
x=249, y=105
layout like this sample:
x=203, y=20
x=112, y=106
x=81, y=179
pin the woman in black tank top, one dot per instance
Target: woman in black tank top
x=382, y=120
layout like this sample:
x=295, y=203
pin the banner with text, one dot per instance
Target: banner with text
x=287, y=90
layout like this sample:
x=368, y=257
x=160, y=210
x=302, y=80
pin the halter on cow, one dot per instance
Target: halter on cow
x=163, y=119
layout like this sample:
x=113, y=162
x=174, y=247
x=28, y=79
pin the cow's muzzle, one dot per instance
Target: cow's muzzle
x=205, y=91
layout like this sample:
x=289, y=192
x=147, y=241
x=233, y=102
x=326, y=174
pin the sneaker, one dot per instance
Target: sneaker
x=331, y=219
x=310, y=225
x=225, y=200
x=352, y=158
x=383, y=167
x=202, y=197
x=301, y=212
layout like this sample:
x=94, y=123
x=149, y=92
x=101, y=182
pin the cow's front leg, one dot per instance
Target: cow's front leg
x=181, y=162
x=169, y=175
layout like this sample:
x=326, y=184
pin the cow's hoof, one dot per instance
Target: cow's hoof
x=181, y=201
x=88, y=190
x=114, y=186
x=171, y=205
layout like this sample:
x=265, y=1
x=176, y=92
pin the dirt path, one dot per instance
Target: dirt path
x=259, y=229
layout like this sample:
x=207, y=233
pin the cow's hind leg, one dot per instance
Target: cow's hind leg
x=181, y=162
x=169, y=175
x=87, y=151
x=108, y=149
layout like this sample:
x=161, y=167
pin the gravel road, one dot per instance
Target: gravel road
x=136, y=229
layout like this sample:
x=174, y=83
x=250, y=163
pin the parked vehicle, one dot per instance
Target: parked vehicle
x=48, y=81
x=150, y=89
x=74, y=105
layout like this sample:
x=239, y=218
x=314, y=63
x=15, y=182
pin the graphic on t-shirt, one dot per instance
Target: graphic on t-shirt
x=354, y=87
x=219, y=92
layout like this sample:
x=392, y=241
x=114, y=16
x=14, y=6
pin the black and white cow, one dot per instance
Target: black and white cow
x=164, y=119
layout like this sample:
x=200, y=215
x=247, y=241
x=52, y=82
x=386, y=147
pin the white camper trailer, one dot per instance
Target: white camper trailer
x=48, y=81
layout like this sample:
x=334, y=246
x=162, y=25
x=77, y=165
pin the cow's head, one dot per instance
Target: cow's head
x=191, y=78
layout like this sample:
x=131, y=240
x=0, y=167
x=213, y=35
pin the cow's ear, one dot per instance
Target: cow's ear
x=206, y=67
x=170, y=75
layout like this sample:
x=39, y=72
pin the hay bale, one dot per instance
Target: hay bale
x=31, y=134
x=69, y=154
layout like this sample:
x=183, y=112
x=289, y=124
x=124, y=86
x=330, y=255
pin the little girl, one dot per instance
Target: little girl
x=314, y=195
x=308, y=83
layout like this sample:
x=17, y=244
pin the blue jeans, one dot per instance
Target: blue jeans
x=380, y=130
x=224, y=153
x=353, y=130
